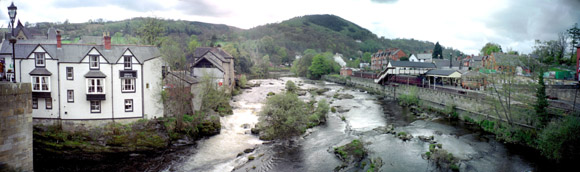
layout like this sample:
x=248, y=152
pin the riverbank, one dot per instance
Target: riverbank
x=108, y=148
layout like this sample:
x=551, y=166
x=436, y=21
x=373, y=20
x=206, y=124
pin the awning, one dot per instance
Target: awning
x=95, y=74
x=444, y=73
x=40, y=71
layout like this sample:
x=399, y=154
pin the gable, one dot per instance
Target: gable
x=91, y=52
x=128, y=53
x=39, y=49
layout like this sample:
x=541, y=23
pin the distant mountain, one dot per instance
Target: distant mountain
x=281, y=41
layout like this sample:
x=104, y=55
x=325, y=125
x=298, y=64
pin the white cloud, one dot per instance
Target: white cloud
x=463, y=25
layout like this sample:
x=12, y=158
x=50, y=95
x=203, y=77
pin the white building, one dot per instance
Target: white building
x=84, y=81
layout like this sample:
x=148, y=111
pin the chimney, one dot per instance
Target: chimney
x=107, y=39
x=58, y=42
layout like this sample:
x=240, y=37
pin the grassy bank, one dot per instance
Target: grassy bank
x=142, y=135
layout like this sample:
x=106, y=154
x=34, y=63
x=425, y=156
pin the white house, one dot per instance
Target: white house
x=215, y=63
x=83, y=81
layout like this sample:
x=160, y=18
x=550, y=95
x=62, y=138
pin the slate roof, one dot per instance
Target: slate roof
x=95, y=74
x=412, y=64
x=445, y=63
x=215, y=55
x=76, y=52
x=440, y=72
x=20, y=27
x=40, y=71
x=424, y=56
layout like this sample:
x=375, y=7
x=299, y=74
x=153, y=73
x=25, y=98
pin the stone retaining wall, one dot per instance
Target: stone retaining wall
x=15, y=127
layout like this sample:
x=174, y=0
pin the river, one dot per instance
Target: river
x=314, y=150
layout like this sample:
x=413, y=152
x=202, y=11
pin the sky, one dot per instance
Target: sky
x=466, y=25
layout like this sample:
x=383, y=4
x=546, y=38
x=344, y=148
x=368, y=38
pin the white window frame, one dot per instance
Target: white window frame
x=70, y=74
x=95, y=106
x=40, y=83
x=48, y=103
x=94, y=61
x=70, y=96
x=128, y=103
x=128, y=86
x=34, y=103
x=95, y=86
x=40, y=59
x=127, y=62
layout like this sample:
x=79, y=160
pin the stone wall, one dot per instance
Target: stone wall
x=15, y=127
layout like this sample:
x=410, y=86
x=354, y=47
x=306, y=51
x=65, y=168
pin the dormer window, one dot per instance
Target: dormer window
x=127, y=62
x=94, y=61
x=40, y=60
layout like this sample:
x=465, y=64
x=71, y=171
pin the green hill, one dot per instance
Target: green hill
x=280, y=41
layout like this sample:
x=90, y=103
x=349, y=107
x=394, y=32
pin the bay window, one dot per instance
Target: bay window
x=41, y=83
x=95, y=86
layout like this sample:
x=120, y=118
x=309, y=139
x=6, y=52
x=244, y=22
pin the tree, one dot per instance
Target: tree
x=192, y=45
x=283, y=116
x=151, y=31
x=173, y=54
x=437, y=51
x=366, y=58
x=574, y=34
x=490, y=48
x=319, y=67
x=541, y=100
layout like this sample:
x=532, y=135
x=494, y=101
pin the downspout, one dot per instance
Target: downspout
x=58, y=91
x=19, y=69
x=112, y=96
x=142, y=93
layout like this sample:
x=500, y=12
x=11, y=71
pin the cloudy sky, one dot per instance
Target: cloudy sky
x=462, y=24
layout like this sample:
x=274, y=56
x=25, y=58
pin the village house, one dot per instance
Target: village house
x=82, y=81
x=380, y=59
x=424, y=57
x=214, y=63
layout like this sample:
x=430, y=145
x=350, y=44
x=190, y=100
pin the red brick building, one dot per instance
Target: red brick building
x=346, y=71
x=380, y=59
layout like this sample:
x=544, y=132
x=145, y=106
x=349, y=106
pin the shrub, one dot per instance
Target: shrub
x=291, y=87
x=353, y=151
x=243, y=81
x=409, y=99
x=560, y=139
x=283, y=116
x=333, y=110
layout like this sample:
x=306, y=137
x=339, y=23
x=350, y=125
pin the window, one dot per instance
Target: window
x=69, y=73
x=41, y=83
x=39, y=58
x=70, y=96
x=128, y=105
x=127, y=85
x=94, y=61
x=95, y=106
x=127, y=62
x=95, y=86
x=48, y=103
x=34, y=103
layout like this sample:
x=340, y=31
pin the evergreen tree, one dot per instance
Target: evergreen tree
x=541, y=101
x=437, y=51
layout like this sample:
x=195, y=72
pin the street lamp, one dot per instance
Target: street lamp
x=450, y=60
x=12, y=14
